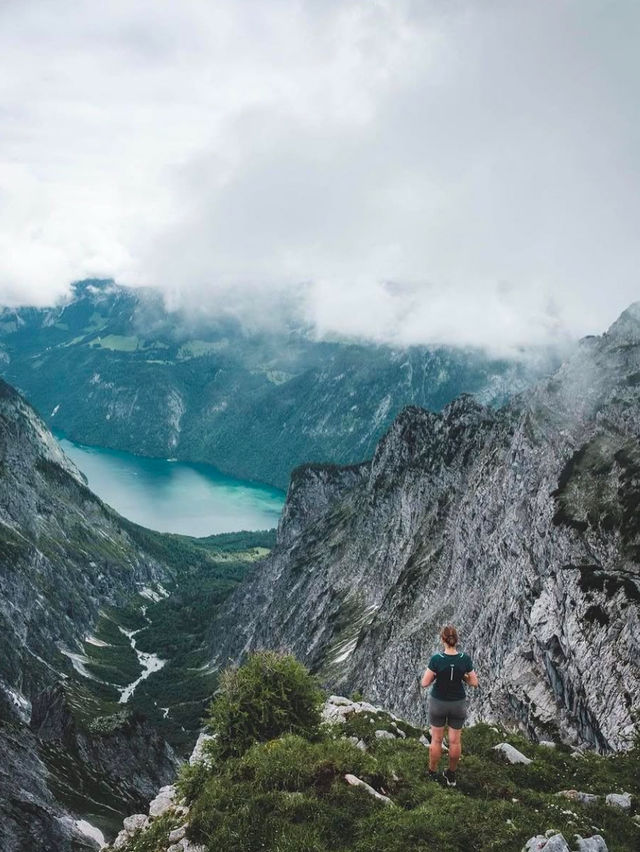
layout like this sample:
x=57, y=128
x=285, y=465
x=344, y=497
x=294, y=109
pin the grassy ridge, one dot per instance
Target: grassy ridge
x=273, y=778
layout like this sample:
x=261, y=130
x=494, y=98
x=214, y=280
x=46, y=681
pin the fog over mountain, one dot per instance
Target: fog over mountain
x=411, y=172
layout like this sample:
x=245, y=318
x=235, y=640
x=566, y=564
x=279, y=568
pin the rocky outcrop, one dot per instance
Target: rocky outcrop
x=512, y=754
x=166, y=803
x=519, y=525
x=553, y=842
x=130, y=760
x=31, y=820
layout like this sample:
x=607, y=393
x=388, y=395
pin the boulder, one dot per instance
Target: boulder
x=554, y=843
x=198, y=755
x=512, y=754
x=337, y=708
x=577, y=796
x=131, y=823
x=187, y=846
x=591, y=844
x=384, y=735
x=163, y=801
x=619, y=800
x=177, y=834
x=357, y=782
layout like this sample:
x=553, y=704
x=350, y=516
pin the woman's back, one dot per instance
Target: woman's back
x=450, y=670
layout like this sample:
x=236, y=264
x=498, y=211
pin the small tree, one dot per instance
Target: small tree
x=269, y=695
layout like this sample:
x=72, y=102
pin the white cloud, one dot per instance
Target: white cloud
x=411, y=171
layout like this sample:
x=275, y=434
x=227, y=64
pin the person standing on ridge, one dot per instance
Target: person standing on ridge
x=448, y=672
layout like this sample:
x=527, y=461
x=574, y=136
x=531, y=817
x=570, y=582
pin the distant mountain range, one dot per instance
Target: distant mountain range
x=112, y=367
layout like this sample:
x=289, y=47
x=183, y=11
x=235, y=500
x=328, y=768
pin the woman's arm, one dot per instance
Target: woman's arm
x=471, y=678
x=427, y=678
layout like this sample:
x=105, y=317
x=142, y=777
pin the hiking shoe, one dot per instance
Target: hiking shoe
x=450, y=777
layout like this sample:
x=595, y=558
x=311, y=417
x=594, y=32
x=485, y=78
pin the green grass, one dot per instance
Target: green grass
x=116, y=342
x=290, y=794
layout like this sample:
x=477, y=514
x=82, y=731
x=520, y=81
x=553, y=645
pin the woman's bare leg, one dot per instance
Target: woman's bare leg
x=435, y=749
x=455, y=748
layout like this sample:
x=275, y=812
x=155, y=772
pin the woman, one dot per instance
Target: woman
x=448, y=672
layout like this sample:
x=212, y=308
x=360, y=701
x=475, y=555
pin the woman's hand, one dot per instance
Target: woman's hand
x=470, y=678
x=427, y=678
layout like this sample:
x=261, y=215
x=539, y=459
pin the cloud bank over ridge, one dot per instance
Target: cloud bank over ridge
x=426, y=171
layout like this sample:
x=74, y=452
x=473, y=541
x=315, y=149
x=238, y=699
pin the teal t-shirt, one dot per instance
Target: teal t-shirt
x=449, y=669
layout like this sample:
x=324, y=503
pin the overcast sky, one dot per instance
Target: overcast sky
x=429, y=171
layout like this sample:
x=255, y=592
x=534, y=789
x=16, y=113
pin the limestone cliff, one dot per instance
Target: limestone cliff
x=520, y=525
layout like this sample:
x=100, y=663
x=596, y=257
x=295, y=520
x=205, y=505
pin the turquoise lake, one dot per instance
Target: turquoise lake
x=171, y=496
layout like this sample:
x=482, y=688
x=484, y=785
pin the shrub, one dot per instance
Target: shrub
x=271, y=694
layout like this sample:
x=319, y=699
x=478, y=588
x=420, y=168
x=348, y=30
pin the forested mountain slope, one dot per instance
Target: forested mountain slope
x=112, y=367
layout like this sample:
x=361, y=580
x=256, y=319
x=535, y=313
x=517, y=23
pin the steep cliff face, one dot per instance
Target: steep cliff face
x=63, y=555
x=521, y=526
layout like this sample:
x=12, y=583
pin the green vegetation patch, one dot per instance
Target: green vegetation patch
x=271, y=694
x=199, y=348
x=116, y=342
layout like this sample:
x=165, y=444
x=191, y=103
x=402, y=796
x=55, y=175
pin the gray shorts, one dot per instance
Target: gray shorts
x=451, y=713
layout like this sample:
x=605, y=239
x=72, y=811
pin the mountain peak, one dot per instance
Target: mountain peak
x=93, y=286
x=626, y=328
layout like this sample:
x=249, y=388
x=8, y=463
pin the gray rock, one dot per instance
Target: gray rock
x=336, y=708
x=577, y=796
x=198, y=755
x=384, y=735
x=512, y=754
x=591, y=844
x=131, y=823
x=554, y=843
x=177, y=834
x=547, y=743
x=357, y=782
x=122, y=839
x=619, y=800
x=163, y=801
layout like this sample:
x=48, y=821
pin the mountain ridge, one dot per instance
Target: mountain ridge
x=254, y=404
x=517, y=524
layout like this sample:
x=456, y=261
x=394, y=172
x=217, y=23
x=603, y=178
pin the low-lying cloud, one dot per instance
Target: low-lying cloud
x=428, y=171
